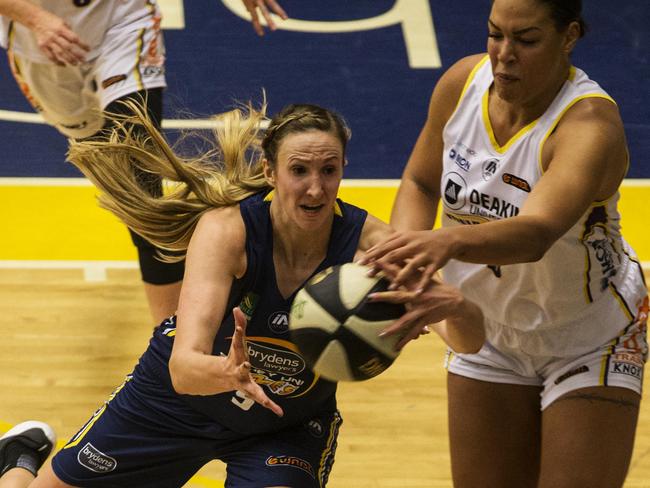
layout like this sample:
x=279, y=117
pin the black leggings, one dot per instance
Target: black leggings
x=153, y=270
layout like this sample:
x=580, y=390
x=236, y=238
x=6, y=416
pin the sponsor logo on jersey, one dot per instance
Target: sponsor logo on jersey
x=460, y=160
x=628, y=369
x=279, y=322
x=625, y=357
x=465, y=220
x=602, y=249
x=489, y=167
x=454, y=191
x=112, y=80
x=291, y=461
x=248, y=304
x=151, y=71
x=92, y=458
x=373, y=366
x=459, y=154
x=315, y=427
x=569, y=374
x=490, y=206
x=274, y=360
x=515, y=181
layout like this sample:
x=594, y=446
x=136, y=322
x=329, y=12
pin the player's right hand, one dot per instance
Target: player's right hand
x=59, y=43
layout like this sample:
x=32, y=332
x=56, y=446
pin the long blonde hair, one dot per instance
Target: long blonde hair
x=220, y=177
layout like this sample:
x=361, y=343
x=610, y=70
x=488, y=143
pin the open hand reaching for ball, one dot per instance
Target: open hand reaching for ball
x=239, y=368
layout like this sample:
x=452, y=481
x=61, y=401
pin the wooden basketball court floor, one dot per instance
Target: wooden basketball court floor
x=75, y=322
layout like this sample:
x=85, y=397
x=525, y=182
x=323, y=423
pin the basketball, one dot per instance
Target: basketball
x=337, y=330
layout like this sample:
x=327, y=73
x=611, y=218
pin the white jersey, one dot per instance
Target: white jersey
x=590, y=276
x=89, y=19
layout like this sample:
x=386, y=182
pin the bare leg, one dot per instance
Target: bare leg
x=16, y=478
x=162, y=299
x=20, y=478
x=588, y=436
x=494, y=433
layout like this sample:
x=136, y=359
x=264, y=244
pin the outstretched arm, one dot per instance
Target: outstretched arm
x=54, y=36
x=585, y=158
x=215, y=257
x=458, y=321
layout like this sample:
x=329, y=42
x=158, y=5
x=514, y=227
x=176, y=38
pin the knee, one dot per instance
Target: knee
x=152, y=269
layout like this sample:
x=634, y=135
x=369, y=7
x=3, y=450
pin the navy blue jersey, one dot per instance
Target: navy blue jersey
x=276, y=362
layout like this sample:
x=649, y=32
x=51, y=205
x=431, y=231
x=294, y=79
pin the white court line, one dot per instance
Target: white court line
x=33, y=118
x=65, y=182
x=346, y=183
x=94, y=271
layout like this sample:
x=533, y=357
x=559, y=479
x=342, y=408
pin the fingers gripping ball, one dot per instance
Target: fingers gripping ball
x=336, y=328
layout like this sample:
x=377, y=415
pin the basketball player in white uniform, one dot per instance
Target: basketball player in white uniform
x=76, y=60
x=526, y=155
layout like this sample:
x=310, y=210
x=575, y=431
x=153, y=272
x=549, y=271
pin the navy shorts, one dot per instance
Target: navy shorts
x=146, y=436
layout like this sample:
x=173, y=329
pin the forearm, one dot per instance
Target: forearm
x=415, y=207
x=518, y=239
x=197, y=373
x=21, y=11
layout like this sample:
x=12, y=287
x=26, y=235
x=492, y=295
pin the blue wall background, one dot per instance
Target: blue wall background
x=217, y=59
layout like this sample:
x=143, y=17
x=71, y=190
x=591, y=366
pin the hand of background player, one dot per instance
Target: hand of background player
x=57, y=41
x=410, y=255
x=238, y=367
x=457, y=320
x=264, y=5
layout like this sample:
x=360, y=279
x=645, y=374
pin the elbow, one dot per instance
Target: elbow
x=538, y=249
x=473, y=342
x=180, y=384
x=539, y=241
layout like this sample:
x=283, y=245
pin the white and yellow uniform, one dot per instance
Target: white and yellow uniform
x=126, y=55
x=574, y=318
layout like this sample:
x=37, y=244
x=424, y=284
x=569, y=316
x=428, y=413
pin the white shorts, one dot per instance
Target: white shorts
x=72, y=98
x=619, y=362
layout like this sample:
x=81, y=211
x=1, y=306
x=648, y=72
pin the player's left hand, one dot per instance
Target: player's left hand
x=437, y=302
x=265, y=7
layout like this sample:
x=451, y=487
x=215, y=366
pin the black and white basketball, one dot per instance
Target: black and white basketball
x=337, y=329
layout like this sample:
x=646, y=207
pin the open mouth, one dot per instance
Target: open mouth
x=312, y=208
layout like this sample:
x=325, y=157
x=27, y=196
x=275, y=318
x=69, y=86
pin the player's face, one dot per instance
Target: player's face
x=306, y=177
x=529, y=55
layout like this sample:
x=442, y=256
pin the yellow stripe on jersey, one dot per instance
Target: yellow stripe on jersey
x=604, y=363
x=559, y=117
x=325, y=462
x=471, y=76
x=136, y=70
x=78, y=437
x=84, y=430
x=490, y=131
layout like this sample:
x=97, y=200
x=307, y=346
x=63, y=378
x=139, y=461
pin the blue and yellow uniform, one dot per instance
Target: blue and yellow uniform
x=147, y=435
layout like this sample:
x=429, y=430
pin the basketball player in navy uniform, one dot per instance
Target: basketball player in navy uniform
x=525, y=154
x=76, y=60
x=222, y=379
